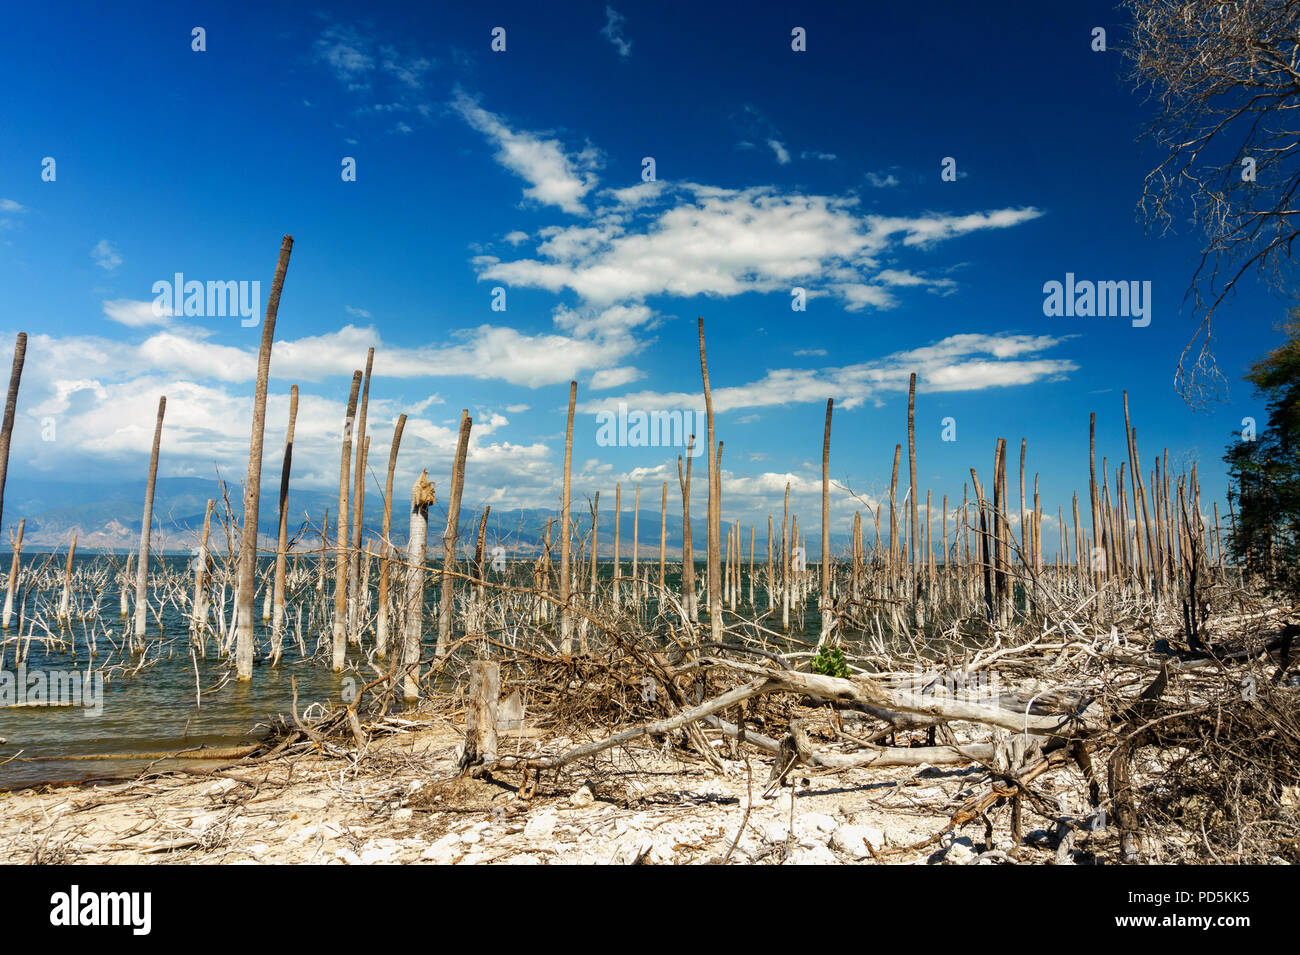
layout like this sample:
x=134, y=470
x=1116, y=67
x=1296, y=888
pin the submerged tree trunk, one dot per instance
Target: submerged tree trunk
x=422, y=496
x=355, y=597
x=15, y=567
x=146, y=527
x=339, y=635
x=199, y=616
x=381, y=622
x=246, y=584
x=282, y=541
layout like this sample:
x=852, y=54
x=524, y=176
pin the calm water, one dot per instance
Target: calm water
x=154, y=710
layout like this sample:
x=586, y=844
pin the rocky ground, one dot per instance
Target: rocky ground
x=403, y=803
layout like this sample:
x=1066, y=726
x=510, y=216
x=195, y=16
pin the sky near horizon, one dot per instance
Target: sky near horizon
x=519, y=177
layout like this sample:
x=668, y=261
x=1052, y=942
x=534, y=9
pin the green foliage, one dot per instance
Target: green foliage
x=829, y=661
x=1265, y=473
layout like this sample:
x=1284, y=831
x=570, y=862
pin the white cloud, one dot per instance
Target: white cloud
x=782, y=154
x=347, y=54
x=614, y=377
x=135, y=314
x=10, y=205
x=613, y=32
x=356, y=312
x=106, y=255
x=704, y=240
x=555, y=177
x=887, y=181
x=970, y=362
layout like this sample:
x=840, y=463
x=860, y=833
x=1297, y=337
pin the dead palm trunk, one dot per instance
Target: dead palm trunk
x=11, y=409
x=688, y=557
x=65, y=601
x=566, y=620
x=15, y=566
x=636, y=544
x=618, y=519
x=824, y=605
x=146, y=527
x=913, y=491
x=381, y=621
x=340, y=624
x=663, y=537
x=449, y=536
x=246, y=587
x=199, y=616
x=715, y=504
x=422, y=496
x=355, y=597
x=282, y=541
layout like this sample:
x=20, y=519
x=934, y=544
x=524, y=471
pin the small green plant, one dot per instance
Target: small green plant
x=829, y=661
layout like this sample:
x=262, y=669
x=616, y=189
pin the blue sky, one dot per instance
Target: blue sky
x=522, y=169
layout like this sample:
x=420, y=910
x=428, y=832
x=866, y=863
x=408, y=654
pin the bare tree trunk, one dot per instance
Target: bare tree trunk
x=11, y=409
x=715, y=504
x=355, y=597
x=15, y=567
x=914, y=491
x=65, y=601
x=381, y=622
x=566, y=620
x=422, y=497
x=282, y=542
x=246, y=585
x=447, y=605
x=146, y=527
x=339, y=635
x=824, y=604
x=688, y=558
x=199, y=616
x=663, y=537
x=618, y=519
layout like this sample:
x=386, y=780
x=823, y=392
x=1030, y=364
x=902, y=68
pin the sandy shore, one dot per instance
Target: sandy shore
x=403, y=803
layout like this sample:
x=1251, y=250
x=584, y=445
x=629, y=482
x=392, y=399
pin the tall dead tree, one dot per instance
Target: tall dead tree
x=146, y=527
x=11, y=409
x=355, y=597
x=566, y=620
x=246, y=580
x=824, y=604
x=446, y=606
x=715, y=504
x=422, y=496
x=282, y=538
x=381, y=620
x=339, y=636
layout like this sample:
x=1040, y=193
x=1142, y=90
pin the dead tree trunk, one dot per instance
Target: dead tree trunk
x=381, y=621
x=566, y=620
x=447, y=604
x=282, y=540
x=339, y=635
x=422, y=496
x=146, y=526
x=11, y=409
x=246, y=583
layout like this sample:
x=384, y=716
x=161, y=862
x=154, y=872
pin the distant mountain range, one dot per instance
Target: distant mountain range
x=107, y=517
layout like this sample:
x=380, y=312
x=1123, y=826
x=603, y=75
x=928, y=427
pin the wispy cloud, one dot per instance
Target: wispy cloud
x=782, y=154
x=613, y=32
x=134, y=314
x=106, y=255
x=969, y=362
x=556, y=177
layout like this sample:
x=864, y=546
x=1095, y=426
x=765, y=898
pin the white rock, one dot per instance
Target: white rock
x=775, y=832
x=380, y=852
x=812, y=855
x=583, y=797
x=814, y=829
x=444, y=851
x=853, y=840
x=403, y=815
x=524, y=858
x=958, y=854
x=541, y=825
